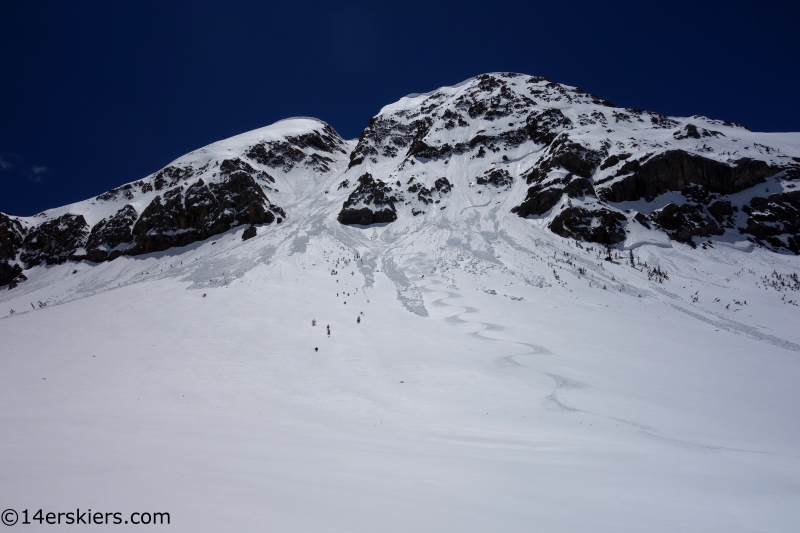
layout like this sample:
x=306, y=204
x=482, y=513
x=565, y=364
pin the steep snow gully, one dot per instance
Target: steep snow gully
x=507, y=306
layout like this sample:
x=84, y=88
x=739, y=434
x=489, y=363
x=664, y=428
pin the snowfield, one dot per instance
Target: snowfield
x=481, y=373
x=484, y=396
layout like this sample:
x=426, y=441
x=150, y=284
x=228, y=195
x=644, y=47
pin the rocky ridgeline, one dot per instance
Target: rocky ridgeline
x=591, y=169
x=526, y=145
x=183, y=214
x=182, y=204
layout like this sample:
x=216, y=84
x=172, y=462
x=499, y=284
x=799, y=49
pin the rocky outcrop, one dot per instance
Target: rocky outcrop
x=109, y=237
x=683, y=222
x=674, y=170
x=55, y=241
x=237, y=167
x=775, y=220
x=572, y=157
x=180, y=218
x=372, y=202
x=579, y=161
x=181, y=215
x=12, y=234
x=538, y=201
x=723, y=212
x=170, y=176
x=543, y=126
x=9, y=273
x=578, y=187
x=387, y=137
x=288, y=153
x=430, y=195
x=366, y=216
x=690, y=131
x=200, y=195
x=249, y=233
x=443, y=186
x=613, y=160
x=11, y=237
x=498, y=177
x=541, y=199
x=603, y=226
x=497, y=98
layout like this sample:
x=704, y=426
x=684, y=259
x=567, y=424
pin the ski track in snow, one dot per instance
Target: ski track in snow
x=740, y=329
x=522, y=378
x=468, y=277
x=561, y=383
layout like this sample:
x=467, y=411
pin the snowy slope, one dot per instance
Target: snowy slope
x=482, y=372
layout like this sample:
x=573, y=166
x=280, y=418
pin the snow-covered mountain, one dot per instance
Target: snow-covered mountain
x=508, y=306
x=591, y=170
x=540, y=149
x=201, y=194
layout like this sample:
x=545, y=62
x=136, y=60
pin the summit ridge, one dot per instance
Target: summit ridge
x=571, y=161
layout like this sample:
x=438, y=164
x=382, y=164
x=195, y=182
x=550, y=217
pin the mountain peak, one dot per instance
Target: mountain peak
x=553, y=154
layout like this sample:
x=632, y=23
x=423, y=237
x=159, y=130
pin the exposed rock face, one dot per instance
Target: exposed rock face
x=488, y=98
x=775, y=220
x=385, y=136
x=577, y=160
x=201, y=194
x=538, y=201
x=184, y=214
x=579, y=156
x=171, y=176
x=573, y=157
x=55, y=241
x=9, y=272
x=498, y=177
x=701, y=180
x=692, y=131
x=443, y=186
x=249, y=233
x=723, y=212
x=430, y=195
x=108, y=237
x=602, y=225
x=365, y=216
x=180, y=218
x=675, y=170
x=372, y=202
x=613, y=160
x=567, y=145
x=126, y=191
x=11, y=237
x=542, y=198
x=12, y=234
x=682, y=222
x=288, y=153
x=543, y=126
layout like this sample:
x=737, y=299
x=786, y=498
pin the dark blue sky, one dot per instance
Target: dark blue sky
x=96, y=94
